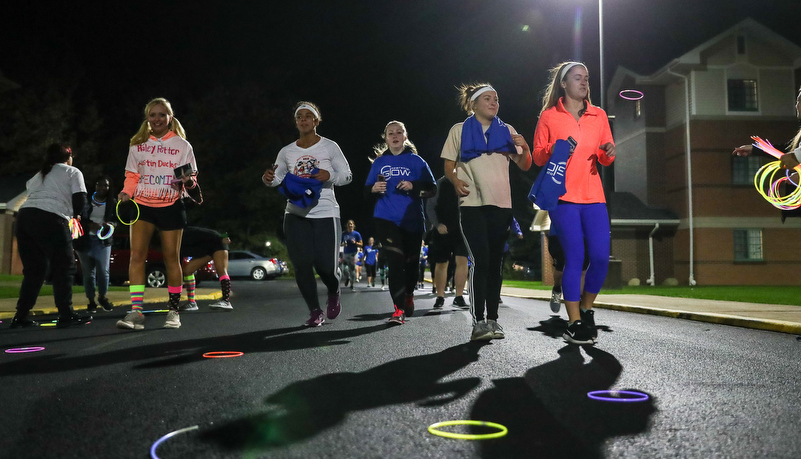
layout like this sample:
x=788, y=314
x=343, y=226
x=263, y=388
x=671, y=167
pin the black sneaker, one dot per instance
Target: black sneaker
x=106, y=304
x=74, y=319
x=588, y=317
x=459, y=301
x=408, y=306
x=91, y=308
x=439, y=302
x=577, y=333
x=23, y=323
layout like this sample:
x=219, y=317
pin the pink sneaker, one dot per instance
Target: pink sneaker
x=315, y=319
x=334, y=306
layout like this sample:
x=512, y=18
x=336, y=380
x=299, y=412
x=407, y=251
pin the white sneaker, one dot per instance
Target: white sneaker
x=173, y=320
x=497, y=330
x=222, y=304
x=481, y=332
x=188, y=306
x=132, y=321
x=384, y=287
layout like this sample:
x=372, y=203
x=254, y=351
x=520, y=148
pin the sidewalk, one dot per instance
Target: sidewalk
x=772, y=317
x=45, y=304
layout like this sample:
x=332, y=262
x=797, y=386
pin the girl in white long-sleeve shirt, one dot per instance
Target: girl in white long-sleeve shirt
x=312, y=230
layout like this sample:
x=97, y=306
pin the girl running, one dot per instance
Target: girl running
x=477, y=153
x=399, y=219
x=306, y=171
x=55, y=195
x=156, y=150
x=580, y=218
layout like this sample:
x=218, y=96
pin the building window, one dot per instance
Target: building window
x=744, y=168
x=747, y=245
x=743, y=96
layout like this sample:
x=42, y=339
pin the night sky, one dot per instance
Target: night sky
x=364, y=63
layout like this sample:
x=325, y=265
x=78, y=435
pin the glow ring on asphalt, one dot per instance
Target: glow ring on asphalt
x=223, y=354
x=110, y=232
x=434, y=430
x=612, y=396
x=148, y=311
x=24, y=350
x=47, y=325
x=137, y=213
x=638, y=94
x=167, y=437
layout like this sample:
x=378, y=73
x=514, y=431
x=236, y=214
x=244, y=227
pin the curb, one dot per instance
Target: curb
x=158, y=299
x=722, y=319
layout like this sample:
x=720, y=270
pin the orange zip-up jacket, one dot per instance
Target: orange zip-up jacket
x=592, y=130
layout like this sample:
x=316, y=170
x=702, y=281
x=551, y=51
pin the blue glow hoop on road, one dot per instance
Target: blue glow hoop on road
x=167, y=437
x=434, y=430
x=132, y=221
x=625, y=396
x=108, y=234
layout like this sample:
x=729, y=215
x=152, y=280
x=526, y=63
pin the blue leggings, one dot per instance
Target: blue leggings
x=577, y=225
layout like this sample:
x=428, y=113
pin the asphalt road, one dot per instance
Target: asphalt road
x=356, y=388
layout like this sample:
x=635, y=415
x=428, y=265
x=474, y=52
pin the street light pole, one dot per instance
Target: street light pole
x=601, y=46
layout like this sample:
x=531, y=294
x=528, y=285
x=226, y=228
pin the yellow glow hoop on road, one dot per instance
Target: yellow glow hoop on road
x=132, y=221
x=434, y=430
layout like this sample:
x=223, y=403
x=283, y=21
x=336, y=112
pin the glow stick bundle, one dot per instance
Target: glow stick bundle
x=75, y=228
x=767, y=182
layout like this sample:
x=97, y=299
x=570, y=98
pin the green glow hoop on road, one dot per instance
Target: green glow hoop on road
x=434, y=430
x=132, y=221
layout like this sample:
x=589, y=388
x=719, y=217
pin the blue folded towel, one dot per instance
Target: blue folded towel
x=550, y=183
x=300, y=191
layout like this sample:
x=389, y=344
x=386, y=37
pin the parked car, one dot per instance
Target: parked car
x=155, y=271
x=242, y=263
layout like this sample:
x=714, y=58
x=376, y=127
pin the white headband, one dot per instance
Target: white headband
x=480, y=92
x=570, y=66
x=309, y=108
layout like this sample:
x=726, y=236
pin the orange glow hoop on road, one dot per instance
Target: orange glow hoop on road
x=223, y=354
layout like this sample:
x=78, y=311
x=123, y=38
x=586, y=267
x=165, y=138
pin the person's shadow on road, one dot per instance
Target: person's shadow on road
x=159, y=355
x=549, y=414
x=303, y=409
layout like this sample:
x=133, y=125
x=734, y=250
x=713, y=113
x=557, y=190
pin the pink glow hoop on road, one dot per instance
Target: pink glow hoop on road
x=625, y=94
x=223, y=354
x=24, y=350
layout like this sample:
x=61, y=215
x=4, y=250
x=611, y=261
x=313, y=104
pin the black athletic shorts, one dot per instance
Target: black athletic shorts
x=442, y=245
x=165, y=218
x=201, y=242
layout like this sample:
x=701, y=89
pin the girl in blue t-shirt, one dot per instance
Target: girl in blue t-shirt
x=399, y=180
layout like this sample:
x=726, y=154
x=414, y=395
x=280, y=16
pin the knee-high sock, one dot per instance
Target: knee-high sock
x=189, y=285
x=175, y=296
x=137, y=297
x=225, y=286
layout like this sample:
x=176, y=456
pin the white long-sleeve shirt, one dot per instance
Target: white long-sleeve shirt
x=324, y=154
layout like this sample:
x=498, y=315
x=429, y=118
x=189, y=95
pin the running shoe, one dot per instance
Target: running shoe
x=459, y=301
x=188, y=306
x=577, y=333
x=315, y=319
x=106, y=304
x=173, y=320
x=497, y=330
x=384, y=287
x=334, y=306
x=222, y=305
x=481, y=332
x=398, y=317
x=17, y=322
x=72, y=319
x=91, y=308
x=500, y=300
x=408, y=305
x=439, y=302
x=588, y=317
x=556, y=300
x=132, y=321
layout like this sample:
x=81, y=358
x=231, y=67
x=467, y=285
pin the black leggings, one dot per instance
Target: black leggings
x=44, y=238
x=401, y=249
x=485, y=230
x=313, y=244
